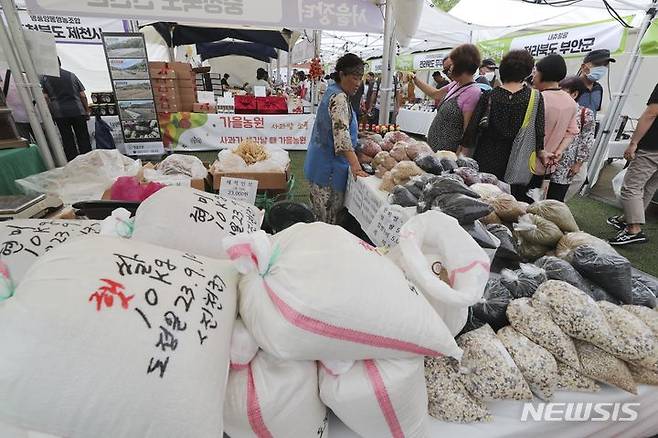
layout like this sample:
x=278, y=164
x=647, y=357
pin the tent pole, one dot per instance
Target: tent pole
x=610, y=122
x=23, y=54
x=387, y=72
x=317, y=39
x=278, y=65
x=21, y=88
x=288, y=73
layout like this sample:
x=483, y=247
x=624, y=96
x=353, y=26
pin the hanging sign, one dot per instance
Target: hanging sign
x=429, y=61
x=575, y=41
x=71, y=30
x=346, y=15
x=128, y=66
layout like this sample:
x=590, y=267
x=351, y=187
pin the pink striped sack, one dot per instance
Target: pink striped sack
x=316, y=292
x=267, y=397
x=378, y=398
x=434, y=242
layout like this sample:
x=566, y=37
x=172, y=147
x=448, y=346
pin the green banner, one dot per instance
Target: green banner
x=649, y=44
x=404, y=63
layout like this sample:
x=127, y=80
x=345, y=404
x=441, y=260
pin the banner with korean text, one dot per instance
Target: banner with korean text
x=198, y=132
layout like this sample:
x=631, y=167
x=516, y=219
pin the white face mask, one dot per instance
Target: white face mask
x=490, y=76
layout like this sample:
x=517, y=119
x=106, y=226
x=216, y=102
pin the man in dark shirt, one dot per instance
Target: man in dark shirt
x=641, y=180
x=594, y=68
x=70, y=110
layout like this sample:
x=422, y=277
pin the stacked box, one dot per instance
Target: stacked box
x=207, y=108
x=174, y=86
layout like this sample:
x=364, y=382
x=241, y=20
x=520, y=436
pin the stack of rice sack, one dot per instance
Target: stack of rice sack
x=367, y=330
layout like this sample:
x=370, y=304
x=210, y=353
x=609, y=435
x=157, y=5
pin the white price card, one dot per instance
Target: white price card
x=239, y=189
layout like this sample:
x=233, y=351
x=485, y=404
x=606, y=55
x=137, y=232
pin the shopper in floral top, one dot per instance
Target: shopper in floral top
x=577, y=153
x=331, y=159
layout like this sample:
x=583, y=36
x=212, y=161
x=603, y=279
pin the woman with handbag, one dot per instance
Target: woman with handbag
x=510, y=125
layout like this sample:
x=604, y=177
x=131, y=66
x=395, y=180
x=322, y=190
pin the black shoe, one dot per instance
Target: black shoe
x=626, y=238
x=617, y=222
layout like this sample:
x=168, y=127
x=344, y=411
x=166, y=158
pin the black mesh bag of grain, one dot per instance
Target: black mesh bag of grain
x=611, y=271
x=558, y=269
x=463, y=208
x=523, y=283
x=481, y=235
x=493, y=306
x=430, y=164
x=403, y=197
x=507, y=248
x=643, y=294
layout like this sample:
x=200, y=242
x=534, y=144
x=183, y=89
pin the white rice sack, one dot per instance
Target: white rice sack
x=632, y=339
x=316, y=292
x=115, y=338
x=448, y=398
x=193, y=221
x=569, y=379
x=487, y=369
x=23, y=240
x=434, y=241
x=540, y=328
x=604, y=367
x=275, y=398
x=575, y=312
x=537, y=365
x=379, y=398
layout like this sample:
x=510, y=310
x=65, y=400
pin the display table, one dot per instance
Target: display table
x=415, y=121
x=202, y=132
x=16, y=164
x=507, y=419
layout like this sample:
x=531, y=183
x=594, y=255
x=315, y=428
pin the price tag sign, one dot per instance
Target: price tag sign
x=239, y=189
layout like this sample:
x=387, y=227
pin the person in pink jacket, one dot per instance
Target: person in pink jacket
x=560, y=115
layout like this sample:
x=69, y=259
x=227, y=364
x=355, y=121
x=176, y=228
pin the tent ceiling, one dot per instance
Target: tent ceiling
x=257, y=51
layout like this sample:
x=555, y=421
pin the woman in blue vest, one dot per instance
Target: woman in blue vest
x=331, y=159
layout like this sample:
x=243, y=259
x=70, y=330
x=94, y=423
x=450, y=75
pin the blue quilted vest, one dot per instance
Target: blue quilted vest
x=323, y=166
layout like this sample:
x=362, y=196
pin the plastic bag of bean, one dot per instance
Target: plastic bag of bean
x=647, y=316
x=447, y=155
x=506, y=207
x=643, y=294
x=541, y=329
x=378, y=160
x=491, y=219
x=414, y=189
x=396, y=136
x=643, y=376
x=530, y=251
x=481, y=236
x=446, y=186
x=508, y=248
x=556, y=212
x=363, y=158
x=403, y=197
x=490, y=178
x=486, y=190
x=493, y=306
x=571, y=241
x=381, y=171
x=558, y=269
x=537, y=230
x=469, y=175
x=430, y=164
x=387, y=145
x=575, y=312
x=418, y=149
x=632, y=339
x=468, y=162
x=463, y=208
x=404, y=170
x=388, y=183
x=448, y=164
x=370, y=148
x=569, y=379
x=597, y=293
x=487, y=370
x=604, y=367
x=524, y=281
x=448, y=398
x=399, y=151
x=610, y=271
x=537, y=364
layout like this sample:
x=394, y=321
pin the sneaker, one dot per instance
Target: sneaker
x=617, y=222
x=626, y=238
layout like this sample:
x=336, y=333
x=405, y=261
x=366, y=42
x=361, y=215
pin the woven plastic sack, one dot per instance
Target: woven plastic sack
x=487, y=370
x=574, y=312
x=571, y=241
x=537, y=365
x=556, y=212
x=190, y=220
x=604, y=367
x=434, y=241
x=537, y=231
x=22, y=241
x=448, y=399
x=379, y=398
x=296, y=311
x=506, y=207
x=610, y=271
x=540, y=328
x=569, y=379
x=524, y=281
x=558, y=269
x=126, y=326
x=273, y=397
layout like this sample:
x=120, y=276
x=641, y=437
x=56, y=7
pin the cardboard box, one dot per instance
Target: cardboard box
x=165, y=93
x=185, y=83
x=207, y=108
x=276, y=182
x=183, y=70
x=158, y=83
x=167, y=107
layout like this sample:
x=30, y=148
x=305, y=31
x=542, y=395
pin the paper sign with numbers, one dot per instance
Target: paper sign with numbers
x=239, y=189
x=384, y=230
